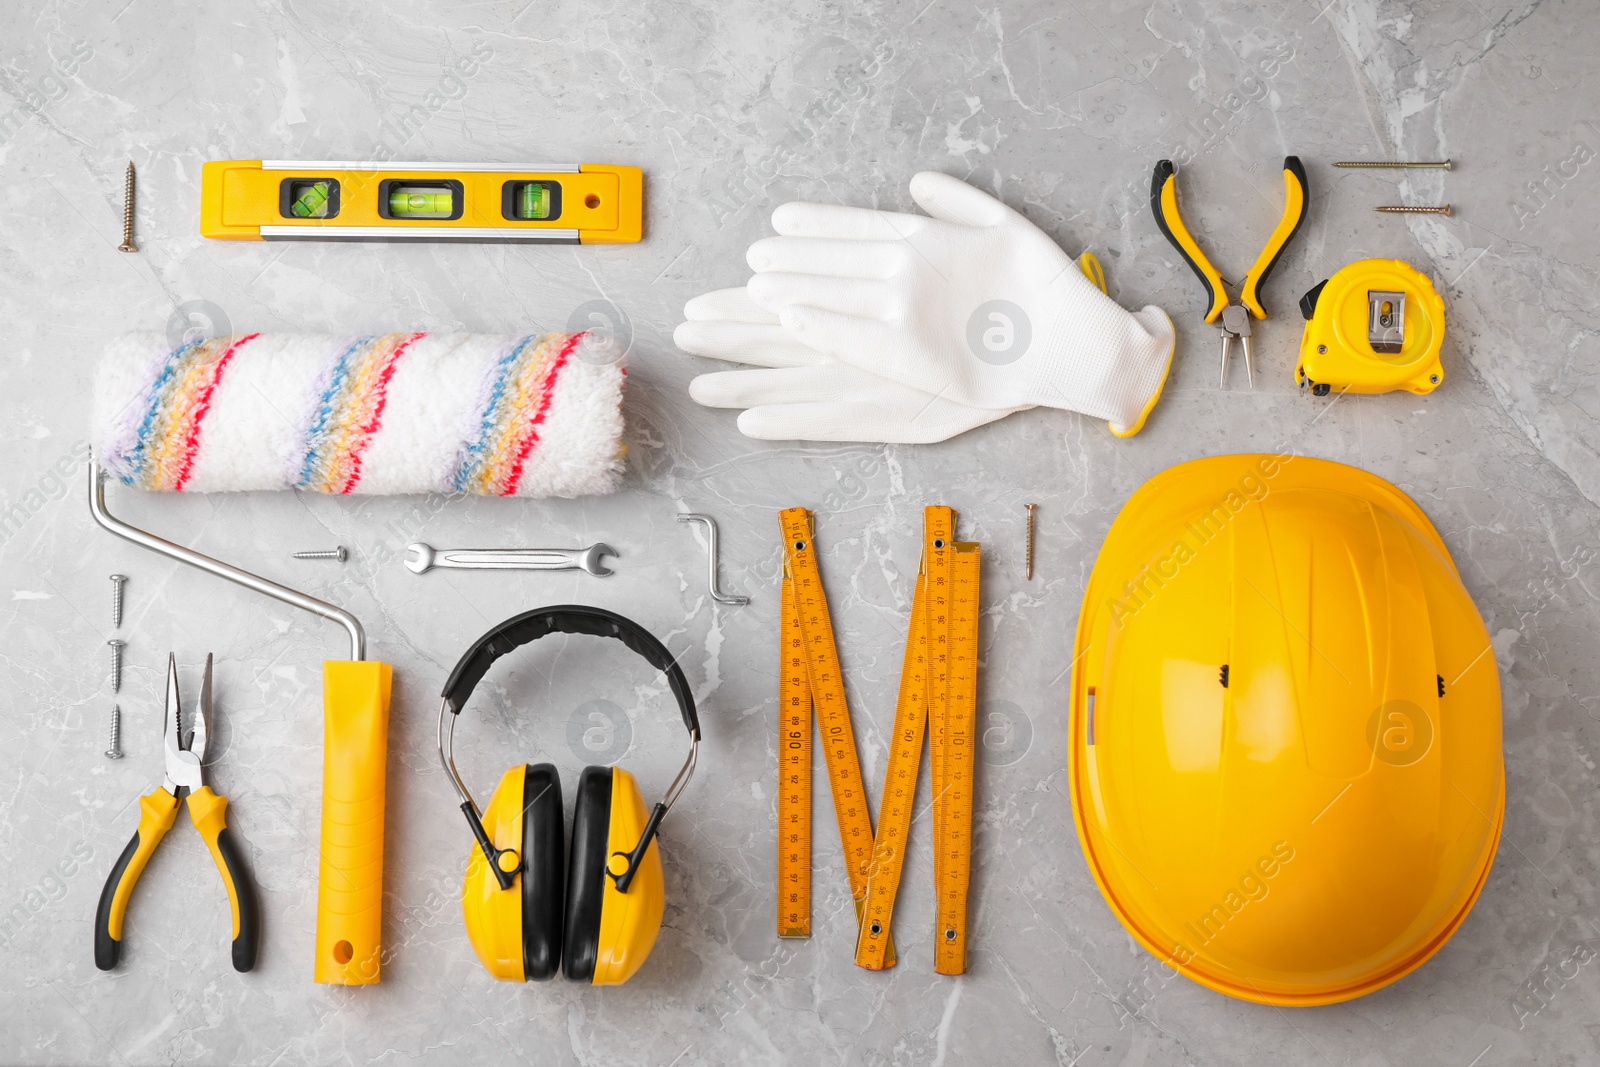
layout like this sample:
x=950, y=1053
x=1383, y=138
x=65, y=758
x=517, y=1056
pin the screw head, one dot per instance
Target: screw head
x=116, y=642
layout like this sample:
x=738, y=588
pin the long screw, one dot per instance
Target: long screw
x=114, y=751
x=1394, y=164
x=117, y=581
x=127, y=244
x=338, y=553
x=1031, y=509
x=1401, y=209
x=116, y=644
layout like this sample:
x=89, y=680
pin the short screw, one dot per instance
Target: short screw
x=127, y=244
x=338, y=553
x=117, y=581
x=1400, y=209
x=116, y=644
x=1394, y=164
x=115, y=750
x=1031, y=509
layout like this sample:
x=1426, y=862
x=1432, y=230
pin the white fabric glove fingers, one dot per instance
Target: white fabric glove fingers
x=826, y=256
x=754, y=343
x=865, y=297
x=847, y=337
x=919, y=420
x=800, y=219
x=953, y=200
x=727, y=305
x=785, y=385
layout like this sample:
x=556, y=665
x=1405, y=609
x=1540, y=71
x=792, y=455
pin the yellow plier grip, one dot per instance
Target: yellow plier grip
x=1294, y=213
x=210, y=814
x=157, y=811
x=1164, y=206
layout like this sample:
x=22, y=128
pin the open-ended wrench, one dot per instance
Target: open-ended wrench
x=421, y=557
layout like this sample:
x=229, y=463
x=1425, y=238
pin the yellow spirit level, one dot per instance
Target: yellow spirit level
x=272, y=199
x=1374, y=327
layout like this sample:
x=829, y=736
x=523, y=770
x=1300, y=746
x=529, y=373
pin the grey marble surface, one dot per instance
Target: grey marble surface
x=1060, y=109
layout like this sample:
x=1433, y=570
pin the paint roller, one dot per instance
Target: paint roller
x=401, y=413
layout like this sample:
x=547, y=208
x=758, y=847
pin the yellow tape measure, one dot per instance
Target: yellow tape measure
x=938, y=696
x=809, y=678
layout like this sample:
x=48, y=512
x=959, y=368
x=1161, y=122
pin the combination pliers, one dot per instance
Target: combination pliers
x=185, y=762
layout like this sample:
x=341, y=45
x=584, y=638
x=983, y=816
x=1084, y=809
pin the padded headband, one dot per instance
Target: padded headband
x=523, y=629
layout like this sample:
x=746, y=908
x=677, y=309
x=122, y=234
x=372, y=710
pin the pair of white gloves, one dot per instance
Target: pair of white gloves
x=881, y=326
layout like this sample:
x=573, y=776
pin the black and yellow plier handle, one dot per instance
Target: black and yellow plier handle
x=158, y=810
x=1235, y=316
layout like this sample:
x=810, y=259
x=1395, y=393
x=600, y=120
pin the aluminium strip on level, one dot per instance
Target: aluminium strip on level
x=404, y=232
x=492, y=168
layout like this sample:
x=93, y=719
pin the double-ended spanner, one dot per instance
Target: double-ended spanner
x=421, y=557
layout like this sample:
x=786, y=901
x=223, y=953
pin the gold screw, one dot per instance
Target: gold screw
x=127, y=244
x=1031, y=509
x=1394, y=164
x=1400, y=209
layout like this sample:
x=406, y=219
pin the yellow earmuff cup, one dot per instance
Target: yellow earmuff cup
x=631, y=921
x=494, y=915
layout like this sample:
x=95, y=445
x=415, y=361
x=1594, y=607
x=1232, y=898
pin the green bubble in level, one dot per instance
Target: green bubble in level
x=311, y=200
x=413, y=202
x=533, y=201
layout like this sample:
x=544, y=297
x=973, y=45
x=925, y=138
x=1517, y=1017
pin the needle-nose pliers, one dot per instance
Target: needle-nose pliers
x=185, y=760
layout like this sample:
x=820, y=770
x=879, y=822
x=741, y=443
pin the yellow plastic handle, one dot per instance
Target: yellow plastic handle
x=1164, y=206
x=157, y=811
x=1295, y=195
x=210, y=814
x=355, y=704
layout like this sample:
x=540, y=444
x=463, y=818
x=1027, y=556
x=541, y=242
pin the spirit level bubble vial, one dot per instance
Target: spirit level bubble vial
x=275, y=200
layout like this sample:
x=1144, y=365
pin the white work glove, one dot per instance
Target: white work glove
x=803, y=394
x=974, y=305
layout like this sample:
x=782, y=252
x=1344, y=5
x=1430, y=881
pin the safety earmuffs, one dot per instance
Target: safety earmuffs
x=530, y=905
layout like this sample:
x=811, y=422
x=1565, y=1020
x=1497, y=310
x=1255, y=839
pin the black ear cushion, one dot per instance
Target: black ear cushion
x=586, y=872
x=543, y=873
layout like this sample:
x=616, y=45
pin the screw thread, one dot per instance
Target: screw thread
x=338, y=553
x=1401, y=209
x=127, y=212
x=1031, y=508
x=1442, y=164
x=114, y=750
x=116, y=665
x=116, y=601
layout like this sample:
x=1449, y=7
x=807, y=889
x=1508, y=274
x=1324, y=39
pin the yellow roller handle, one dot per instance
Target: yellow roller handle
x=355, y=703
x=1294, y=213
x=157, y=811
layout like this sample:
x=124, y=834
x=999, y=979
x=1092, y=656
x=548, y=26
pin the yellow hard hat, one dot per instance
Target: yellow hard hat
x=1285, y=753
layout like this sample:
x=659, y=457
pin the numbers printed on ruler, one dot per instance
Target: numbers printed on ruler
x=937, y=697
x=810, y=680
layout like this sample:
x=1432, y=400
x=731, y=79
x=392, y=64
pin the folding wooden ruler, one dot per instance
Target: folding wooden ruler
x=938, y=690
x=809, y=677
x=939, y=696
